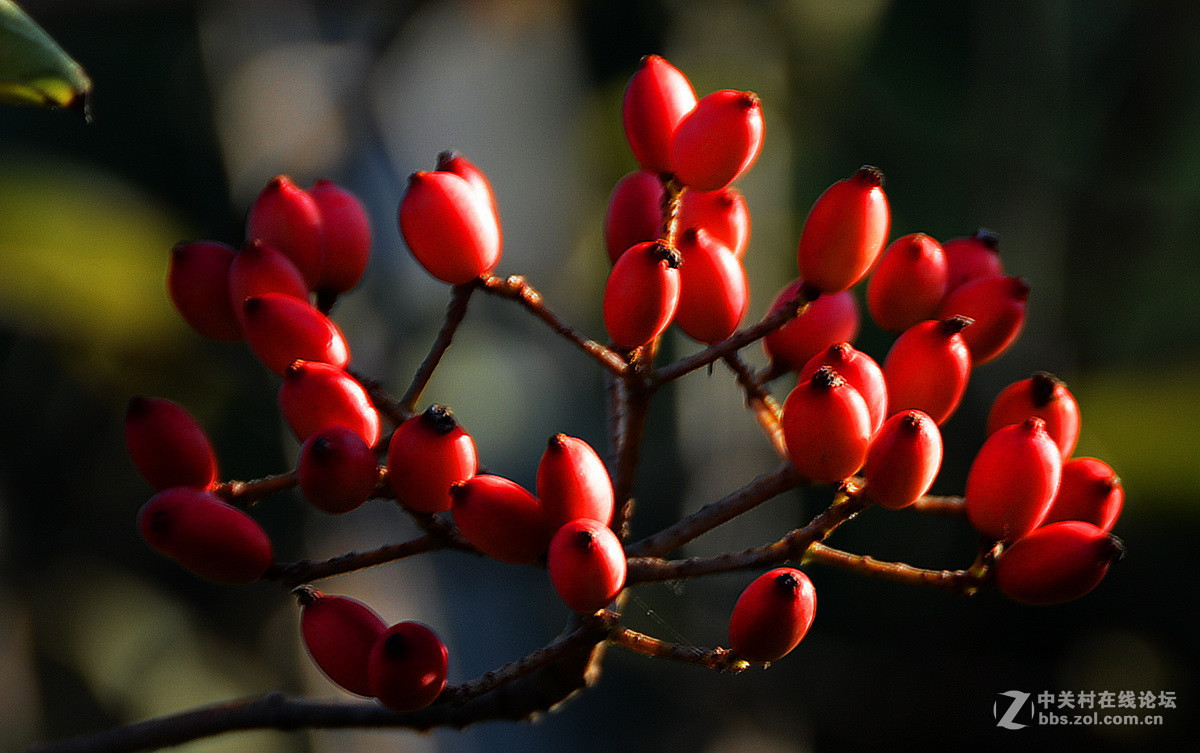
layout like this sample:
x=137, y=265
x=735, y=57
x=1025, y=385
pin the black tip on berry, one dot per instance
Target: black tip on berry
x=690, y=235
x=912, y=420
x=295, y=368
x=987, y=238
x=557, y=442
x=826, y=378
x=1020, y=288
x=440, y=419
x=251, y=305
x=839, y=351
x=787, y=584
x=667, y=253
x=458, y=490
x=321, y=447
x=1113, y=549
x=306, y=595
x=955, y=324
x=1043, y=387
x=870, y=175
x=395, y=645
x=585, y=539
x=750, y=100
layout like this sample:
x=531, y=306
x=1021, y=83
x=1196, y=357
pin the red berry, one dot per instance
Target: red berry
x=316, y=396
x=908, y=284
x=904, y=459
x=927, y=368
x=772, y=615
x=213, y=539
x=826, y=426
x=724, y=214
x=427, y=455
x=845, y=232
x=337, y=471
x=453, y=162
x=572, y=482
x=1056, y=563
x=997, y=304
x=407, y=667
x=830, y=319
x=634, y=212
x=500, y=518
x=1089, y=491
x=860, y=370
x=1012, y=480
x=259, y=269
x=345, y=237
x=718, y=140
x=641, y=294
x=713, y=290
x=1045, y=396
x=657, y=97
x=339, y=633
x=286, y=217
x=167, y=445
x=587, y=565
x=281, y=329
x=449, y=227
x=198, y=282
x=975, y=256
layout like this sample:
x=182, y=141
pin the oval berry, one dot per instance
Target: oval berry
x=904, y=459
x=723, y=213
x=208, y=536
x=407, y=667
x=316, y=396
x=198, y=283
x=845, y=232
x=1012, y=480
x=587, y=565
x=828, y=320
x=826, y=426
x=641, y=294
x=977, y=255
x=908, y=284
x=713, y=290
x=1057, y=563
x=281, y=329
x=345, y=237
x=928, y=367
x=449, y=227
x=656, y=99
x=427, y=455
x=997, y=304
x=572, y=483
x=772, y=615
x=860, y=370
x=340, y=633
x=286, y=217
x=1045, y=396
x=167, y=445
x=453, y=162
x=634, y=213
x=500, y=518
x=337, y=471
x=259, y=269
x=718, y=140
x=1089, y=491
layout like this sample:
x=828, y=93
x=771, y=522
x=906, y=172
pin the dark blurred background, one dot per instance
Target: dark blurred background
x=1067, y=126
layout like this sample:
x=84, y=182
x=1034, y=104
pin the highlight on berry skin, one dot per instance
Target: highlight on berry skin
x=772, y=615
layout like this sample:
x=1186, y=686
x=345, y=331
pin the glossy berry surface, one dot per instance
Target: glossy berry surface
x=908, y=284
x=345, y=237
x=826, y=426
x=718, y=140
x=427, y=455
x=337, y=471
x=903, y=460
x=860, y=370
x=316, y=396
x=1012, y=481
x=928, y=367
x=572, y=482
x=828, y=320
x=286, y=217
x=723, y=213
x=997, y=305
x=657, y=98
x=339, y=633
x=772, y=615
x=167, y=445
x=713, y=290
x=587, y=565
x=198, y=283
x=977, y=255
x=407, y=667
x=454, y=162
x=500, y=518
x=259, y=269
x=1057, y=563
x=449, y=227
x=281, y=329
x=1090, y=491
x=634, y=213
x=845, y=232
x=641, y=294
x=1045, y=396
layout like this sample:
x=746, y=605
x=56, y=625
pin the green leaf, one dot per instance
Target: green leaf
x=34, y=70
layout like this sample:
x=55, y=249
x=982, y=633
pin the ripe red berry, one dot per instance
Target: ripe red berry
x=904, y=459
x=449, y=227
x=1045, y=396
x=198, y=283
x=281, y=329
x=339, y=633
x=259, y=269
x=927, y=368
x=826, y=426
x=1056, y=563
x=997, y=304
x=407, y=667
x=713, y=290
x=345, y=237
x=572, y=483
x=500, y=518
x=587, y=565
x=427, y=455
x=860, y=370
x=337, y=471
x=453, y=162
x=286, y=217
x=634, y=212
x=1089, y=491
x=908, y=284
x=1012, y=480
x=974, y=256
x=641, y=294
x=657, y=97
x=724, y=214
x=167, y=445
x=718, y=140
x=772, y=615
x=316, y=396
x=213, y=539
x=828, y=320
x=845, y=232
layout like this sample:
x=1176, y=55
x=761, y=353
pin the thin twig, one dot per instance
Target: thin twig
x=292, y=574
x=632, y=409
x=455, y=311
x=720, y=659
x=248, y=493
x=766, y=408
x=949, y=507
x=383, y=402
x=957, y=581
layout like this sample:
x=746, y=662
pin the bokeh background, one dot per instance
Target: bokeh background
x=1067, y=126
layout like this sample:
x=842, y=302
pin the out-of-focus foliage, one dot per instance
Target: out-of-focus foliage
x=34, y=70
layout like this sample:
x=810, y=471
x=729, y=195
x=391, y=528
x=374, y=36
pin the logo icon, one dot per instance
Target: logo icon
x=1017, y=699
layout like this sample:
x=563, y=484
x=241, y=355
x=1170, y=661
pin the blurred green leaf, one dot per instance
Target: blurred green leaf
x=34, y=70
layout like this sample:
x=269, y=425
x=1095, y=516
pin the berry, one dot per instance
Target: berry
x=772, y=615
x=975, y=256
x=427, y=455
x=860, y=370
x=1089, y=491
x=634, y=212
x=345, y=237
x=167, y=445
x=845, y=232
x=500, y=518
x=1045, y=396
x=572, y=482
x=259, y=269
x=826, y=426
x=713, y=290
x=453, y=162
x=1012, y=480
x=927, y=368
x=339, y=633
x=406, y=670
x=828, y=320
x=641, y=294
x=587, y=565
x=198, y=283
x=657, y=98
x=718, y=140
x=208, y=536
x=904, y=459
x=316, y=396
x=287, y=217
x=1056, y=563
x=997, y=304
x=337, y=471
x=281, y=329
x=724, y=214
x=449, y=227
x=908, y=284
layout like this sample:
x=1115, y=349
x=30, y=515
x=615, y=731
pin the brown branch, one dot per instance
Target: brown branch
x=963, y=582
x=720, y=659
x=455, y=311
x=248, y=493
x=383, y=402
x=766, y=409
x=631, y=408
x=292, y=574
x=949, y=507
